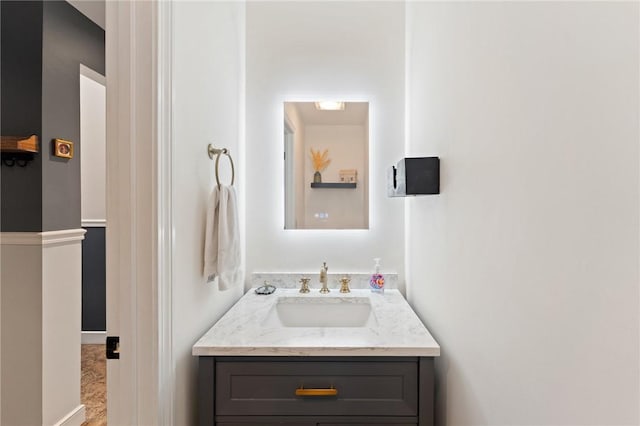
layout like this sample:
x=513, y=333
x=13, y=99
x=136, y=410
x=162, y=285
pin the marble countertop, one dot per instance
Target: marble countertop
x=245, y=331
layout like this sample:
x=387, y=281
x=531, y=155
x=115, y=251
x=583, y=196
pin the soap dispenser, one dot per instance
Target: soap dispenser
x=376, y=282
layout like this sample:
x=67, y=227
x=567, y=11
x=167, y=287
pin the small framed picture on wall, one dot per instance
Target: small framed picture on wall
x=62, y=148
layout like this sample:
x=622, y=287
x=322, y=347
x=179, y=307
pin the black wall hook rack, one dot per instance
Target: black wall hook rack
x=16, y=159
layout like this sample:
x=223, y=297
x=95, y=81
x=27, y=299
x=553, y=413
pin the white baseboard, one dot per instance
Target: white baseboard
x=94, y=337
x=75, y=418
x=94, y=223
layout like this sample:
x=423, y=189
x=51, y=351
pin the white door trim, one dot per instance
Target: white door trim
x=139, y=235
x=166, y=365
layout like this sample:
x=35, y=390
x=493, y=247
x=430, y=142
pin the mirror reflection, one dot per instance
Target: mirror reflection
x=326, y=152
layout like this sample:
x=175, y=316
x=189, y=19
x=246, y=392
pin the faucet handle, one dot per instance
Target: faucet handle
x=304, y=288
x=344, y=284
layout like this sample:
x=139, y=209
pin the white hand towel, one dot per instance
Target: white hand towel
x=222, y=238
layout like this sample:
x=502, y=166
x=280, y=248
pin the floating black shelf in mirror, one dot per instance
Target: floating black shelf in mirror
x=348, y=185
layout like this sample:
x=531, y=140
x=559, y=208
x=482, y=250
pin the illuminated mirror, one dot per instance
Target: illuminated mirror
x=326, y=167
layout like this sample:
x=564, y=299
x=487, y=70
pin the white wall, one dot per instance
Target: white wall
x=93, y=104
x=21, y=347
x=94, y=10
x=41, y=292
x=346, y=208
x=525, y=268
x=208, y=74
x=61, y=326
x=305, y=51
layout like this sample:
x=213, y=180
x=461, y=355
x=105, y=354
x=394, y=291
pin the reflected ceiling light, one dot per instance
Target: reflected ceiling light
x=330, y=106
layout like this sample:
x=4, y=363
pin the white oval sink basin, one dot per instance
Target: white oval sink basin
x=318, y=311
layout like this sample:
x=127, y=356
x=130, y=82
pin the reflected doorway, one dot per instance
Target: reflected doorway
x=93, y=384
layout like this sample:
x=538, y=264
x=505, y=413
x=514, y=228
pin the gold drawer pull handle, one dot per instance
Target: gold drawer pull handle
x=316, y=392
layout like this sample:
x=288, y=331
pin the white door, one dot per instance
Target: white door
x=138, y=287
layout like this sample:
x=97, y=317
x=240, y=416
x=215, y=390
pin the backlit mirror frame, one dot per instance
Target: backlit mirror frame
x=332, y=192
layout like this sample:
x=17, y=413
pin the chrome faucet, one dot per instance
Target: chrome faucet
x=323, y=278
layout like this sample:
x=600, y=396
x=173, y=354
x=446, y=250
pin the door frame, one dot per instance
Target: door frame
x=139, y=212
x=290, y=219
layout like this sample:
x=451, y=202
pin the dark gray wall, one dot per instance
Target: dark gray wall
x=94, y=316
x=69, y=39
x=21, y=111
x=42, y=47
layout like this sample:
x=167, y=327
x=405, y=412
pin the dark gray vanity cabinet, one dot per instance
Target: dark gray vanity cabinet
x=243, y=391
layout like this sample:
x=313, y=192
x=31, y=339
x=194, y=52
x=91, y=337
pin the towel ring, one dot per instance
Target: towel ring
x=217, y=151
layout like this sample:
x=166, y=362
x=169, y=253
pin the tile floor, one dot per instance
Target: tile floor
x=93, y=387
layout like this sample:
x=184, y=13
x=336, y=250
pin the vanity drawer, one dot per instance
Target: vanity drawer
x=381, y=388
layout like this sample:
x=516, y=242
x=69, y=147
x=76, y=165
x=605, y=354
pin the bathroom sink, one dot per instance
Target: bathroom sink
x=290, y=323
x=321, y=311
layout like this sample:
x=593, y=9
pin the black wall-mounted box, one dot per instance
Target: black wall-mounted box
x=414, y=176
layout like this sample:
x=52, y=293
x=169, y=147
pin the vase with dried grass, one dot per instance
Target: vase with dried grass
x=320, y=162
